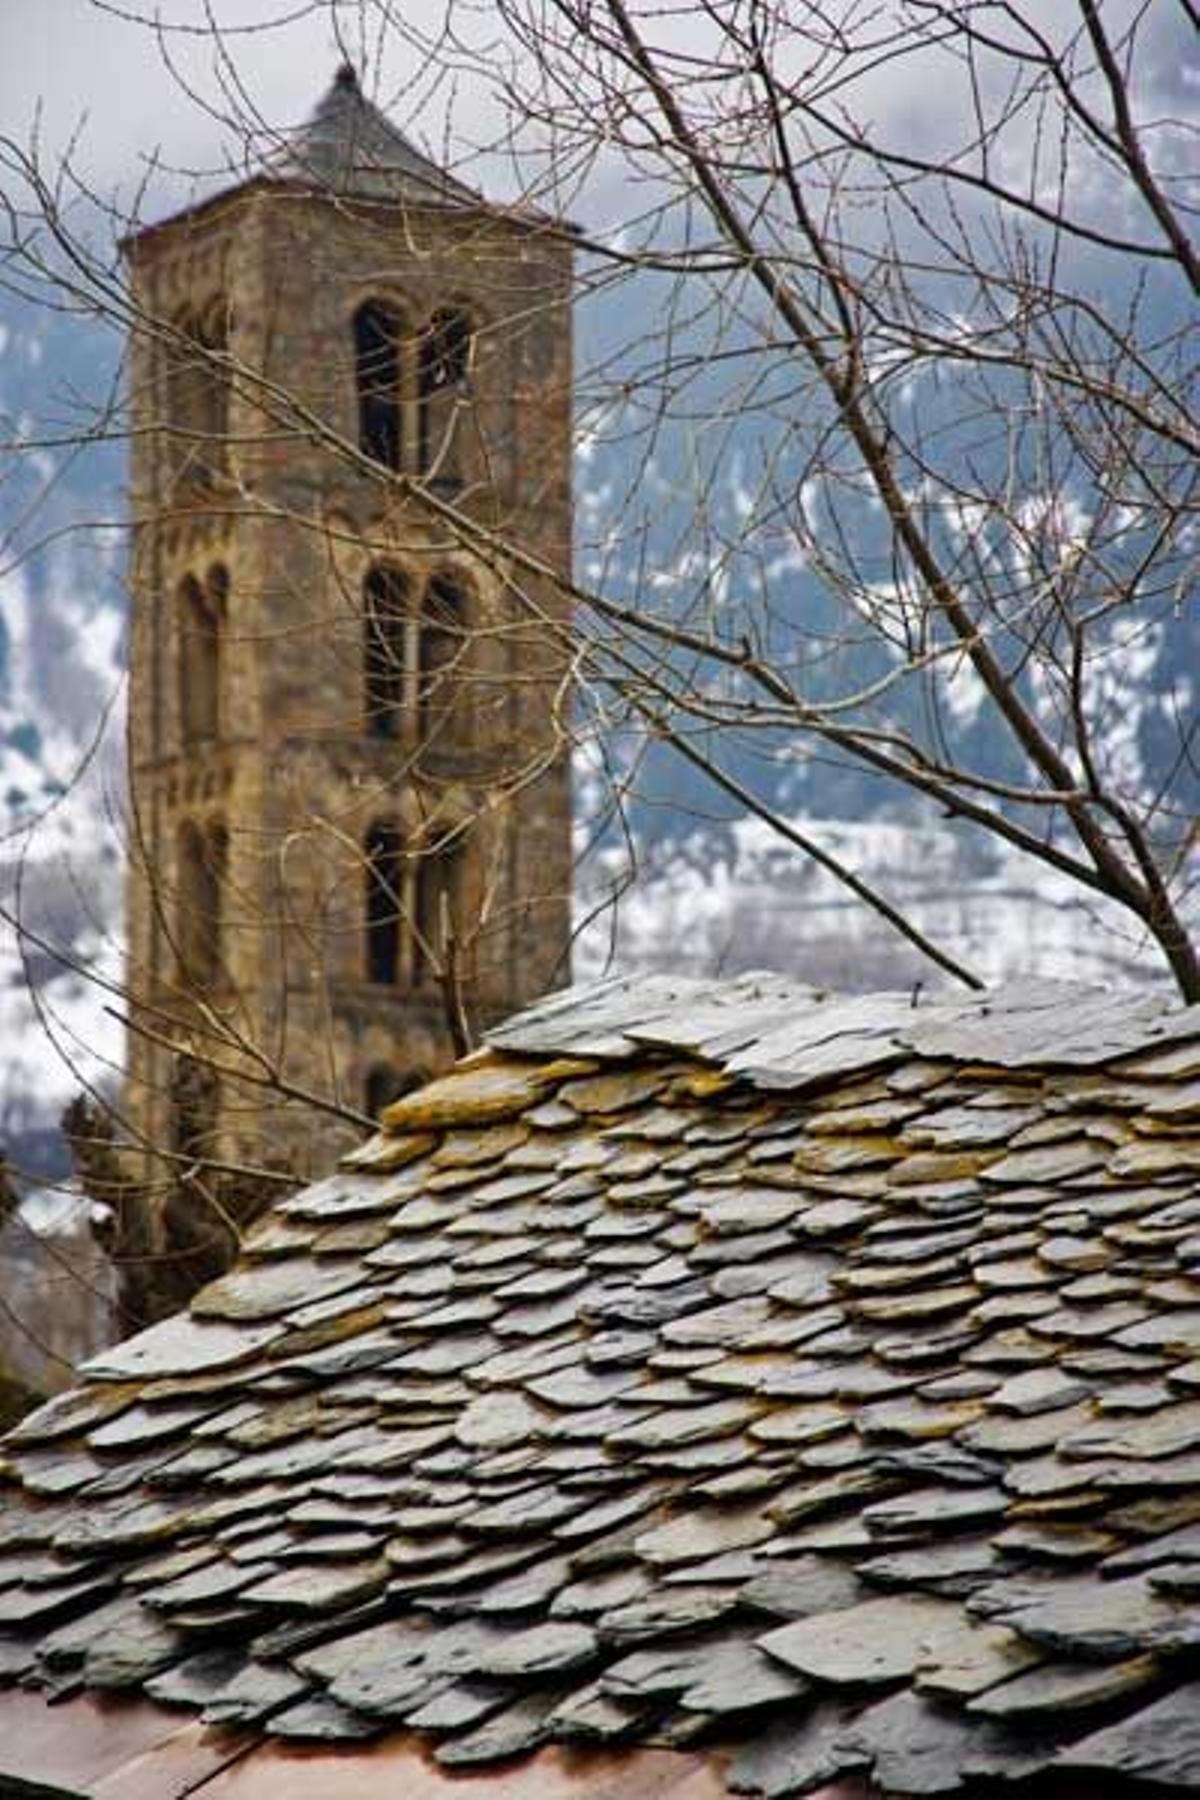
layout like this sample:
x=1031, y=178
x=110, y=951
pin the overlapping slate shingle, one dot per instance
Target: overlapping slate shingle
x=698, y=1365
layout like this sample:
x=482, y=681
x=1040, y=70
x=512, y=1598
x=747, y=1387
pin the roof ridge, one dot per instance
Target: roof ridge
x=779, y=1033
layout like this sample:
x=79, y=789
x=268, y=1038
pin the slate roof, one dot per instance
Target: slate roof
x=813, y=1383
x=349, y=147
x=350, y=150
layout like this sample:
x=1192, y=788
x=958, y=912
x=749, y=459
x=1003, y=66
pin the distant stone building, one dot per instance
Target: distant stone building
x=350, y=805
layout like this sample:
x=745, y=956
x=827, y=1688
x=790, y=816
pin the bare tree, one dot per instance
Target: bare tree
x=960, y=347
x=889, y=318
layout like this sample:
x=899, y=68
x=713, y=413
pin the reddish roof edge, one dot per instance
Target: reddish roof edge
x=112, y=1748
x=101, y=1746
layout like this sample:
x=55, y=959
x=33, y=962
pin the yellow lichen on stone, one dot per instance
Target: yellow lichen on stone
x=705, y=1083
x=492, y=1089
x=387, y=1151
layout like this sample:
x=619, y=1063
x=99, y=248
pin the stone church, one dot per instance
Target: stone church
x=350, y=821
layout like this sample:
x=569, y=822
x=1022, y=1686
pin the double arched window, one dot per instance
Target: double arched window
x=202, y=612
x=413, y=653
x=410, y=388
x=413, y=901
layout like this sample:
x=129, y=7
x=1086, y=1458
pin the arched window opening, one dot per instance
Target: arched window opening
x=384, y=850
x=377, y=365
x=212, y=343
x=440, y=645
x=385, y=621
x=445, y=366
x=201, y=621
x=203, y=857
x=439, y=912
x=198, y=395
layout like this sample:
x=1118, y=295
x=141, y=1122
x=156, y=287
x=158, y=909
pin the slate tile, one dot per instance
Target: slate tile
x=930, y=1510
x=875, y=1643
x=77, y=1410
x=1181, y=1544
x=665, y=1611
x=1011, y=1435
x=1175, y=1332
x=1156, y=1435
x=1039, y=1390
x=1078, y=1616
x=319, y=1587
x=795, y=1754
x=911, y=1746
x=590, y=1596
x=495, y=1089
x=196, y=1679
x=1161, y=1742
x=44, y=1608
x=1057, y=1689
x=118, y=1644
x=916, y=1421
x=701, y=1533
x=603, y=1094
x=801, y=1424
x=557, y=1647
x=668, y=1428
x=528, y=1511
x=955, y=1567
x=517, y=1729
x=801, y=1587
x=318, y=1719
x=182, y=1346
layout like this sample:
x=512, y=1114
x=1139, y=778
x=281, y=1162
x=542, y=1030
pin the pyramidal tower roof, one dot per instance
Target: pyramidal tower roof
x=348, y=147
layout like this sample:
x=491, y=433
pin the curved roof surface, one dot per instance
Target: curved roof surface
x=812, y=1385
x=349, y=147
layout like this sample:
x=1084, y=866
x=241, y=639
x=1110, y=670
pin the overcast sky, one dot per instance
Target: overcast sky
x=97, y=67
x=90, y=66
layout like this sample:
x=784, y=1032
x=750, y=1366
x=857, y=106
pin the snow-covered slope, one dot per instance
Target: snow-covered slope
x=706, y=906
x=708, y=896
x=61, y=730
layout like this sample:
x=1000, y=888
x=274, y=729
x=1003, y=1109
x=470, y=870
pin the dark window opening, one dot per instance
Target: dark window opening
x=385, y=618
x=198, y=396
x=384, y=1085
x=439, y=910
x=439, y=654
x=203, y=856
x=384, y=860
x=201, y=618
x=445, y=366
x=377, y=364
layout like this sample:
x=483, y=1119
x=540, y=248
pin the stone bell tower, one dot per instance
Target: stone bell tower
x=350, y=819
